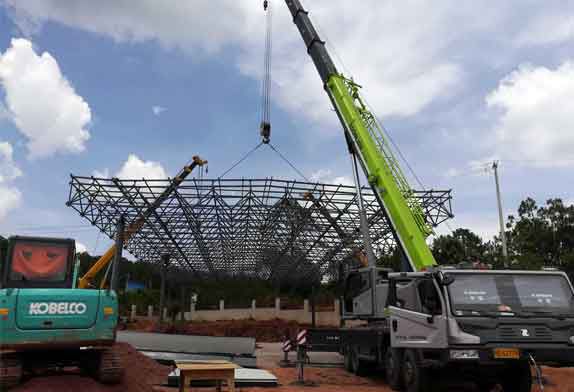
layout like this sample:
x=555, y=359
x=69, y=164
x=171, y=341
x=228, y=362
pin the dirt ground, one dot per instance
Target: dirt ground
x=141, y=374
x=144, y=374
x=262, y=331
x=336, y=379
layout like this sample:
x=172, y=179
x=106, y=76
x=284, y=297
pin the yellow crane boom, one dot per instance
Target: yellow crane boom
x=86, y=280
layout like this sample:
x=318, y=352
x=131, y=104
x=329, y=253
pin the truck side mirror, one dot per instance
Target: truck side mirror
x=445, y=280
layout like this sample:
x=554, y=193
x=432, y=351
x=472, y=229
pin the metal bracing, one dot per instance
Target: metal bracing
x=266, y=228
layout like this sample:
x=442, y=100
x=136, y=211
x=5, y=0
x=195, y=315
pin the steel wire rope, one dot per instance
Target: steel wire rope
x=265, y=124
x=267, y=66
x=289, y=162
x=239, y=162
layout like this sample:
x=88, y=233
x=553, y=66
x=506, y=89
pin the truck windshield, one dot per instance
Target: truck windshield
x=33, y=261
x=475, y=294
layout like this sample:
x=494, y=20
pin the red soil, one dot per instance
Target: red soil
x=141, y=374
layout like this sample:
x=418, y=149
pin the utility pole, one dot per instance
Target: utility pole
x=500, y=215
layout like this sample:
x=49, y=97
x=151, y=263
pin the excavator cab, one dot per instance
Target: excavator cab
x=39, y=263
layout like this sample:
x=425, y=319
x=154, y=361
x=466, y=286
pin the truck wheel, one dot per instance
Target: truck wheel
x=393, y=368
x=358, y=366
x=414, y=376
x=10, y=372
x=347, y=359
x=518, y=378
x=110, y=370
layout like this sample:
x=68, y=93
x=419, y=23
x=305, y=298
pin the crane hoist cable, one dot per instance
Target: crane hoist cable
x=265, y=125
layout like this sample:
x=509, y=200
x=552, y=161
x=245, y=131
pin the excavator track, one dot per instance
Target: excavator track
x=110, y=369
x=10, y=372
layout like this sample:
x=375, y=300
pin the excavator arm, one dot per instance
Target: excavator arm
x=367, y=141
x=86, y=280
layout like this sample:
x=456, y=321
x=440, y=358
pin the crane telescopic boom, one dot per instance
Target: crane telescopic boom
x=367, y=141
x=86, y=280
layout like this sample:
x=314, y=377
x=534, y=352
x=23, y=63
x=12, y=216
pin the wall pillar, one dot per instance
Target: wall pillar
x=182, y=304
x=163, y=273
x=253, y=308
x=337, y=312
x=277, y=307
x=150, y=312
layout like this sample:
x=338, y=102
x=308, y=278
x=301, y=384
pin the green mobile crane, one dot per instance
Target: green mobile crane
x=482, y=325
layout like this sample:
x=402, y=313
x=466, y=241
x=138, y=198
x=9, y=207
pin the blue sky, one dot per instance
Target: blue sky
x=457, y=84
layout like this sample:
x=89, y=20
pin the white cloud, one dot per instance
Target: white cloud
x=80, y=247
x=41, y=101
x=551, y=28
x=535, y=121
x=326, y=176
x=157, y=110
x=391, y=50
x=8, y=169
x=135, y=168
x=101, y=173
x=10, y=199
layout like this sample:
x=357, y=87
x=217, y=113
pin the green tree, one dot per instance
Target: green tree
x=462, y=245
x=542, y=235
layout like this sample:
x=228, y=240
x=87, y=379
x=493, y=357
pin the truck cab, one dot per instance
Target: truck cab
x=488, y=325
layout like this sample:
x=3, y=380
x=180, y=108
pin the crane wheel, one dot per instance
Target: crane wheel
x=10, y=372
x=415, y=377
x=393, y=368
x=110, y=369
x=517, y=378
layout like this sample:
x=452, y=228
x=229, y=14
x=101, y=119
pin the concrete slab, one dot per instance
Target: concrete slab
x=164, y=346
x=169, y=358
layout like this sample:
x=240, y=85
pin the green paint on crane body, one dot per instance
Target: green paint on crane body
x=383, y=173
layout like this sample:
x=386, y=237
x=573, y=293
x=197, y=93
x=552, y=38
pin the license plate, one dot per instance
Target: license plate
x=506, y=353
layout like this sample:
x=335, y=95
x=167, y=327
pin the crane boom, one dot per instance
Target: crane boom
x=86, y=280
x=367, y=141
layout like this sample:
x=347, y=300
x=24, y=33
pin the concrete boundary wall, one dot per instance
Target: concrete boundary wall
x=302, y=316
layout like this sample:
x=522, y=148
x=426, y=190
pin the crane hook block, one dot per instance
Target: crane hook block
x=265, y=4
x=265, y=131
